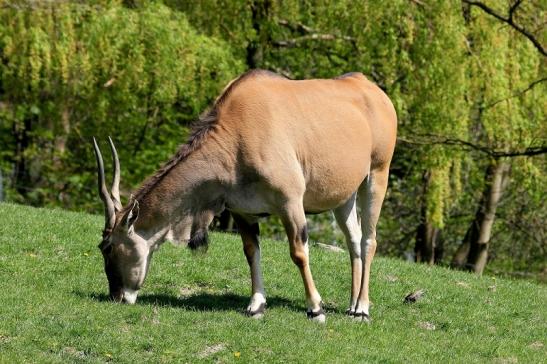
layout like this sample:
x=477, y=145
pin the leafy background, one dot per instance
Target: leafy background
x=468, y=88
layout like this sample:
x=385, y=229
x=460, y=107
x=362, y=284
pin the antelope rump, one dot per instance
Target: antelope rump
x=269, y=145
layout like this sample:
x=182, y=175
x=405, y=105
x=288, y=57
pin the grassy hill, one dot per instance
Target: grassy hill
x=53, y=305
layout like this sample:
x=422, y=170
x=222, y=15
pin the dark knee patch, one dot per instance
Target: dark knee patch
x=297, y=259
x=304, y=234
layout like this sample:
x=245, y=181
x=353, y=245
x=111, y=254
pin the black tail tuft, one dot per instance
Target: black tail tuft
x=199, y=241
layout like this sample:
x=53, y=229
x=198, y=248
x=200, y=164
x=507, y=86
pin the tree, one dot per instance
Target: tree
x=71, y=70
x=501, y=64
x=521, y=16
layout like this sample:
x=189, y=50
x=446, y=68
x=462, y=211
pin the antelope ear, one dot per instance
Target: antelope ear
x=131, y=216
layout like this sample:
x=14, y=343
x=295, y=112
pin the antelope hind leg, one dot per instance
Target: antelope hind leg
x=346, y=217
x=371, y=196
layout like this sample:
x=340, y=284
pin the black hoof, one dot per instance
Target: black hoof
x=318, y=315
x=312, y=314
x=362, y=317
x=350, y=312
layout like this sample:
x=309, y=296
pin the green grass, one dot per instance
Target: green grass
x=53, y=305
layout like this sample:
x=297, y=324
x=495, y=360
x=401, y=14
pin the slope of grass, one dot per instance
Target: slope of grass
x=53, y=305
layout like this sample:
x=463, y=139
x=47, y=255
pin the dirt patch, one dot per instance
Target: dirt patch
x=427, y=325
x=210, y=350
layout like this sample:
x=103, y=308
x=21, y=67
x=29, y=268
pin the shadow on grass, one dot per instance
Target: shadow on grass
x=215, y=302
x=202, y=301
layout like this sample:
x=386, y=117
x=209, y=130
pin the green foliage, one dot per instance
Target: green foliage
x=70, y=71
x=54, y=309
x=502, y=66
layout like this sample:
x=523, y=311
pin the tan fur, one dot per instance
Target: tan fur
x=276, y=146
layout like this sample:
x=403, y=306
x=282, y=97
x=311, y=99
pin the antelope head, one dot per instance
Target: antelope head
x=126, y=254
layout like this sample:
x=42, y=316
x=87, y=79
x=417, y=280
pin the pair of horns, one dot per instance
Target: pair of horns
x=112, y=202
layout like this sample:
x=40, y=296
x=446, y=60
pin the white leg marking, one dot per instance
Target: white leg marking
x=130, y=296
x=258, y=299
x=321, y=319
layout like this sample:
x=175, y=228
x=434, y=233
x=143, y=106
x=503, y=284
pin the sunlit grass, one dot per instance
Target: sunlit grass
x=53, y=305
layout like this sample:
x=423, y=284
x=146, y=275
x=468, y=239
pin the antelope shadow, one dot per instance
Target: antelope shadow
x=203, y=301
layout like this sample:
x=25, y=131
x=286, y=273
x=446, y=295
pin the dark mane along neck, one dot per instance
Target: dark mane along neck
x=199, y=133
x=206, y=123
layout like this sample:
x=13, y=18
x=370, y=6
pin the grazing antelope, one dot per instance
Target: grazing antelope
x=269, y=145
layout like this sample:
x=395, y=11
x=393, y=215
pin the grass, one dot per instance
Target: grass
x=53, y=305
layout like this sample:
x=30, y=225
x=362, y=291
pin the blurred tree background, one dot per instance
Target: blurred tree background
x=467, y=78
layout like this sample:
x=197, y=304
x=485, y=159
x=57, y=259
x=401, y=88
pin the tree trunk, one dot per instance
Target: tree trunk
x=260, y=10
x=428, y=248
x=21, y=174
x=472, y=254
x=60, y=145
x=439, y=247
x=460, y=257
x=427, y=236
x=61, y=138
x=1, y=186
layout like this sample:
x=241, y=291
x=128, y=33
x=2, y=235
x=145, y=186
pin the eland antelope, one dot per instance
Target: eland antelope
x=269, y=145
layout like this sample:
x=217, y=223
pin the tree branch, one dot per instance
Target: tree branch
x=510, y=21
x=519, y=93
x=308, y=33
x=513, y=8
x=301, y=28
x=418, y=2
x=315, y=36
x=433, y=139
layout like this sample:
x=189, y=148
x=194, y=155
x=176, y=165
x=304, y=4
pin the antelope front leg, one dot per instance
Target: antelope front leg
x=249, y=234
x=295, y=226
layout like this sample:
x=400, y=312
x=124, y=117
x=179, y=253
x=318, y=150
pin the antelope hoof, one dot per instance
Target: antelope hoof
x=362, y=317
x=318, y=316
x=256, y=314
x=350, y=312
